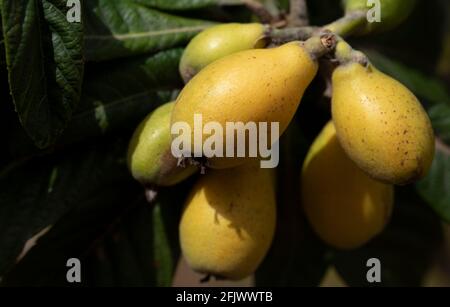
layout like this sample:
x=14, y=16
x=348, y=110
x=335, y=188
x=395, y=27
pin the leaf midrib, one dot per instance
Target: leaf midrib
x=146, y=34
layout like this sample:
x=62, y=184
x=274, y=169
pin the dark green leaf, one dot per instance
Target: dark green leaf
x=72, y=236
x=2, y=44
x=111, y=80
x=435, y=188
x=297, y=257
x=44, y=58
x=405, y=249
x=119, y=95
x=36, y=193
x=166, y=247
x=120, y=239
x=143, y=250
x=440, y=118
x=116, y=97
x=120, y=28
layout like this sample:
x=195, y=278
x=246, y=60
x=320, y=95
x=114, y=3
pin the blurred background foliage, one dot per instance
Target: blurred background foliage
x=68, y=194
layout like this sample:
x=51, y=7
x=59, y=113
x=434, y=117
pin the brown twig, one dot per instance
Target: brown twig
x=298, y=14
x=348, y=24
x=259, y=10
x=281, y=36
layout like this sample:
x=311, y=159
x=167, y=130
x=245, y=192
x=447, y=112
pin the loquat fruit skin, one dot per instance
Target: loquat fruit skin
x=259, y=85
x=150, y=159
x=228, y=221
x=381, y=125
x=219, y=41
x=345, y=207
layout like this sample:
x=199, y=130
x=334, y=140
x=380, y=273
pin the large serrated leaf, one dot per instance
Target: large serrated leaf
x=405, y=248
x=36, y=193
x=116, y=96
x=44, y=59
x=120, y=28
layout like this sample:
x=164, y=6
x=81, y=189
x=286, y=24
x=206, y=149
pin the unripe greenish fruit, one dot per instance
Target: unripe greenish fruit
x=393, y=13
x=228, y=222
x=219, y=41
x=252, y=86
x=345, y=207
x=381, y=124
x=149, y=154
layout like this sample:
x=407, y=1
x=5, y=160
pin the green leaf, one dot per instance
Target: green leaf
x=44, y=59
x=121, y=28
x=120, y=239
x=166, y=250
x=2, y=43
x=36, y=193
x=108, y=81
x=435, y=188
x=297, y=257
x=143, y=249
x=405, y=248
x=72, y=236
x=440, y=118
x=119, y=95
x=116, y=97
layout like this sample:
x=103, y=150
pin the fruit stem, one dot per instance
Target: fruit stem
x=320, y=45
x=348, y=24
x=344, y=53
x=280, y=36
